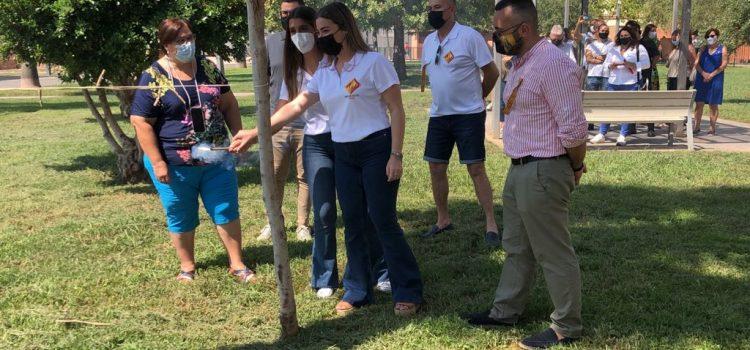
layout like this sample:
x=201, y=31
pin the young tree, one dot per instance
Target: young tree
x=117, y=36
x=288, y=306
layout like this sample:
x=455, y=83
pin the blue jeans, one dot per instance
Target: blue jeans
x=319, y=157
x=624, y=128
x=364, y=192
x=596, y=83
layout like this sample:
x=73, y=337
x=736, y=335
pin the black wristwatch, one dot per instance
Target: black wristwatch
x=583, y=165
x=398, y=155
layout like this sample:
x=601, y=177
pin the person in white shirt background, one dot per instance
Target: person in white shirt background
x=595, y=54
x=624, y=68
x=557, y=38
x=287, y=143
x=358, y=89
x=455, y=58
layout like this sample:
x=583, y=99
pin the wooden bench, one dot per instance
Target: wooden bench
x=619, y=107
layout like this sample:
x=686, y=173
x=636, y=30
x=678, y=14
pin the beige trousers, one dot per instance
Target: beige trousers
x=287, y=150
x=536, y=201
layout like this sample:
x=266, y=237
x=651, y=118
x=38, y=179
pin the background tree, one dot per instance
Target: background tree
x=85, y=37
x=732, y=18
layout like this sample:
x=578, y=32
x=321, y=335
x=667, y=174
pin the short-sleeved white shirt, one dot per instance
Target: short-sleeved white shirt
x=568, y=48
x=315, y=117
x=353, y=98
x=455, y=80
x=599, y=48
x=621, y=75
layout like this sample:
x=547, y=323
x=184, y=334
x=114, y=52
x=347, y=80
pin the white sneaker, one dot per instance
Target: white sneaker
x=599, y=138
x=304, y=234
x=621, y=141
x=265, y=233
x=325, y=293
x=384, y=287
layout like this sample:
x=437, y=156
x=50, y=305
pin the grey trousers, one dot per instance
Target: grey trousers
x=536, y=201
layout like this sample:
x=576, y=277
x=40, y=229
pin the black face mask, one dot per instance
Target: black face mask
x=604, y=36
x=625, y=41
x=328, y=45
x=436, y=19
x=511, y=48
x=285, y=23
x=557, y=42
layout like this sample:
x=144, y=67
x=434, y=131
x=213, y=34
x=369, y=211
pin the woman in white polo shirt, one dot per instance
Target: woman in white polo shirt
x=301, y=60
x=358, y=89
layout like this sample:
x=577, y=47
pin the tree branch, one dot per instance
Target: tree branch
x=106, y=133
x=123, y=138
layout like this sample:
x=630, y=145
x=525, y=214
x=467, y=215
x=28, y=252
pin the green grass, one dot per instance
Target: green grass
x=662, y=239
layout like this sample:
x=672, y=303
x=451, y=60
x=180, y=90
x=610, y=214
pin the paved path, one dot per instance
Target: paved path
x=731, y=137
x=14, y=82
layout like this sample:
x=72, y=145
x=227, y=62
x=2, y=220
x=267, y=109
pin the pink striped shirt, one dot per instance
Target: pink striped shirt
x=547, y=116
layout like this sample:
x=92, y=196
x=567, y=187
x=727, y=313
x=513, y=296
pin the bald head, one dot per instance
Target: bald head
x=522, y=10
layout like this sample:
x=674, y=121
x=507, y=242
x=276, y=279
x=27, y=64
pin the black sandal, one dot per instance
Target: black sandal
x=435, y=230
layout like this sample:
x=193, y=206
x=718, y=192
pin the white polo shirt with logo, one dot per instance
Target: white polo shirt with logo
x=353, y=98
x=454, y=67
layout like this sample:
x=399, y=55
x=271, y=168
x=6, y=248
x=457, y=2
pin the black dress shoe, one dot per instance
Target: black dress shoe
x=484, y=319
x=544, y=340
x=493, y=239
x=435, y=230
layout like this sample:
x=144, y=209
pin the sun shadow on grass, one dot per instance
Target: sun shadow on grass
x=31, y=106
x=104, y=162
x=657, y=264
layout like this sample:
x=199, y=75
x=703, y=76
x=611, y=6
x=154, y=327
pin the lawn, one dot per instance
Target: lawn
x=662, y=239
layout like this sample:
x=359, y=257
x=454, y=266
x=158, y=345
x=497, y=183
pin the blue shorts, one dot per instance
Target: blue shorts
x=216, y=185
x=465, y=131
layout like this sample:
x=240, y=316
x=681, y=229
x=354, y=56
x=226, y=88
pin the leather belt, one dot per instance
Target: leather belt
x=531, y=159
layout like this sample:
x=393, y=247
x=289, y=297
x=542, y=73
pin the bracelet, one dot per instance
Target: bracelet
x=398, y=155
x=583, y=165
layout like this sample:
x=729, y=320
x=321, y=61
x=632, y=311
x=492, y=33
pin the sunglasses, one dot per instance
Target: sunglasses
x=437, y=55
x=512, y=98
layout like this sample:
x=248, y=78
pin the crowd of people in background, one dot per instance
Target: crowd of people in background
x=338, y=118
x=629, y=62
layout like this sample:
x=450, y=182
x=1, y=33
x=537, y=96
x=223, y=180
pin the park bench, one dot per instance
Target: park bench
x=619, y=107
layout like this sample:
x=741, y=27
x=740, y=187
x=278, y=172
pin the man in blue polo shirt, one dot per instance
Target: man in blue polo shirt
x=462, y=74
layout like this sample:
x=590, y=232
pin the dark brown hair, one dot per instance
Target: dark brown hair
x=712, y=30
x=633, y=37
x=169, y=29
x=293, y=58
x=340, y=14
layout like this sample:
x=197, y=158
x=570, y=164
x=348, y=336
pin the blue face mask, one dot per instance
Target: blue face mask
x=185, y=52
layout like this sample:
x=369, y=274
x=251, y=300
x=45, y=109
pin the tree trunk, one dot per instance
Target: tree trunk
x=129, y=156
x=399, y=56
x=29, y=75
x=288, y=307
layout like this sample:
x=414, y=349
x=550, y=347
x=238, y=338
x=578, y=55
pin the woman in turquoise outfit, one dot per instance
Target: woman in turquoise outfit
x=712, y=61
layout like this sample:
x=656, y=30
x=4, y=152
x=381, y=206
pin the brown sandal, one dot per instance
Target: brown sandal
x=186, y=276
x=343, y=308
x=243, y=276
x=406, y=309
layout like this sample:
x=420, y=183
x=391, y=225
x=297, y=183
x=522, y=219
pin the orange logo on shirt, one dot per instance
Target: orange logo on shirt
x=449, y=57
x=352, y=86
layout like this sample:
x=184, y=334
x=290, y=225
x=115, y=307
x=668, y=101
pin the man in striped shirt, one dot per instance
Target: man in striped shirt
x=545, y=136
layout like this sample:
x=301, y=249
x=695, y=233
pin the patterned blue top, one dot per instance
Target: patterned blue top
x=173, y=126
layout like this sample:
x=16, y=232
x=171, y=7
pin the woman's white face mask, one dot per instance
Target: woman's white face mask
x=304, y=42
